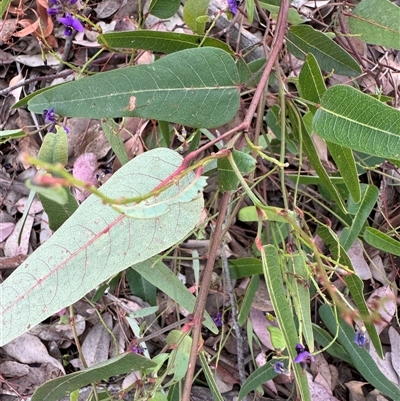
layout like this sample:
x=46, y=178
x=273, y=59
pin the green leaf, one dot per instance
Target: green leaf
x=158, y=396
x=381, y=241
x=245, y=267
x=249, y=213
x=158, y=41
x=300, y=292
x=356, y=288
x=294, y=18
x=332, y=241
x=58, y=213
x=7, y=135
x=111, y=131
x=59, y=195
x=157, y=273
x=352, y=119
x=301, y=133
x=368, y=201
x=96, y=243
x=284, y=312
x=227, y=179
x=194, y=87
x=57, y=388
x=248, y=299
x=191, y=11
x=377, y=22
x=323, y=338
x=303, y=39
x=141, y=287
x=164, y=8
x=212, y=385
x=59, y=208
x=362, y=360
x=311, y=82
x=277, y=339
x=344, y=160
x=54, y=148
x=250, y=8
x=179, y=359
x=250, y=73
x=256, y=379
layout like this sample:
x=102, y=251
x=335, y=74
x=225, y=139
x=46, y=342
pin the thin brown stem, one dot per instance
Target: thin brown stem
x=203, y=293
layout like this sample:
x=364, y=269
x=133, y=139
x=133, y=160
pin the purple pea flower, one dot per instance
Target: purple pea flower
x=360, y=339
x=217, y=319
x=279, y=367
x=50, y=118
x=59, y=6
x=303, y=356
x=70, y=23
x=233, y=6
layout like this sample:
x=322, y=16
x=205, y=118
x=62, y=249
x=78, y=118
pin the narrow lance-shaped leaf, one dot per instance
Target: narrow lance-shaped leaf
x=161, y=276
x=157, y=41
x=381, y=241
x=304, y=39
x=350, y=118
x=194, y=87
x=377, y=22
x=362, y=360
x=283, y=311
x=57, y=388
x=300, y=288
x=356, y=288
x=312, y=87
x=95, y=243
x=301, y=133
x=367, y=203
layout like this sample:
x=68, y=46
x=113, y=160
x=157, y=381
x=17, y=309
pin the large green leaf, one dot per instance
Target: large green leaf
x=194, y=87
x=303, y=39
x=377, y=22
x=96, y=243
x=57, y=388
x=350, y=118
x=362, y=360
x=158, y=41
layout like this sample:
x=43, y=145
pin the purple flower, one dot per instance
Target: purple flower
x=70, y=23
x=50, y=118
x=136, y=349
x=279, y=367
x=360, y=339
x=233, y=6
x=217, y=319
x=303, y=356
x=60, y=6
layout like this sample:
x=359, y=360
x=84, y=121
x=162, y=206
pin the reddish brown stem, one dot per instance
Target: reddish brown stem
x=202, y=298
x=216, y=240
